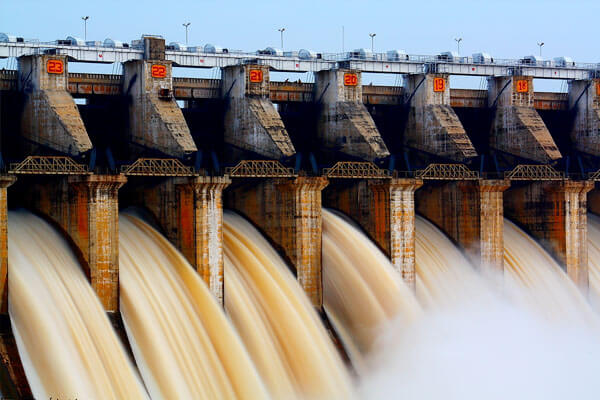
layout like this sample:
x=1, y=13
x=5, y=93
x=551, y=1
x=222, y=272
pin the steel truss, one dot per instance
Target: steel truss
x=355, y=170
x=525, y=172
x=446, y=172
x=260, y=169
x=48, y=165
x=157, y=167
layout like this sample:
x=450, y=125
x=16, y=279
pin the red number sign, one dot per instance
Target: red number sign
x=439, y=84
x=350, y=79
x=597, y=88
x=522, y=86
x=159, y=71
x=55, y=67
x=256, y=75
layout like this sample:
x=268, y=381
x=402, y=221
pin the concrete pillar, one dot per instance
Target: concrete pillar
x=385, y=208
x=584, y=98
x=86, y=209
x=433, y=126
x=471, y=214
x=289, y=212
x=155, y=119
x=555, y=213
x=50, y=116
x=5, y=182
x=251, y=121
x=491, y=231
x=345, y=124
x=517, y=128
x=190, y=210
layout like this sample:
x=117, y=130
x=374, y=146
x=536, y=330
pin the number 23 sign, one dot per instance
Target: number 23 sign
x=55, y=66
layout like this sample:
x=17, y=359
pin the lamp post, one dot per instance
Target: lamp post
x=540, y=44
x=186, y=25
x=281, y=30
x=85, y=19
x=458, y=40
x=372, y=35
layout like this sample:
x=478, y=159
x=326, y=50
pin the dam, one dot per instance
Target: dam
x=82, y=150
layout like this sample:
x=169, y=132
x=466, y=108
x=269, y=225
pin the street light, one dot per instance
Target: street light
x=458, y=40
x=372, y=35
x=187, y=24
x=281, y=30
x=85, y=26
x=540, y=44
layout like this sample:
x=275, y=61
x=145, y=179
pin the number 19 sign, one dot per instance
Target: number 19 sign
x=439, y=84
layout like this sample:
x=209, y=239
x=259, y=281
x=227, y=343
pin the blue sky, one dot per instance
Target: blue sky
x=506, y=29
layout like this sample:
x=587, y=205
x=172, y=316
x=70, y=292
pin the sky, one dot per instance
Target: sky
x=505, y=29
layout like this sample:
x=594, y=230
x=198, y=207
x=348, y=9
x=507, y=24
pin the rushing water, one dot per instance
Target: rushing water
x=528, y=333
x=66, y=342
x=361, y=290
x=483, y=340
x=184, y=345
x=594, y=259
x=276, y=321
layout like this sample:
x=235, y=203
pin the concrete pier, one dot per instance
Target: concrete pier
x=385, y=209
x=86, y=209
x=517, y=128
x=190, y=212
x=555, y=213
x=471, y=214
x=433, y=126
x=50, y=116
x=345, y=124
x=155, y=119
x=584, y=99
x=251, y=120
x=288, y=211
x=5, y=182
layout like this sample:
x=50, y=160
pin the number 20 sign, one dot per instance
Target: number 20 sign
x=350, y=79
x=55, y=67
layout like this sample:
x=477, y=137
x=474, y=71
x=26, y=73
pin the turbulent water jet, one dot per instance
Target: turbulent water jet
x=65, y=340
x=184, y=345
x=362, y=292
x=285, y=337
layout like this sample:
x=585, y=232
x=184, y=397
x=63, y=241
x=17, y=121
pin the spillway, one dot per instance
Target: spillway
x=534, y=279
x=276, y=321
x=184, y=345
x=484, y=336
x=65, y=340
x=361, y=290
